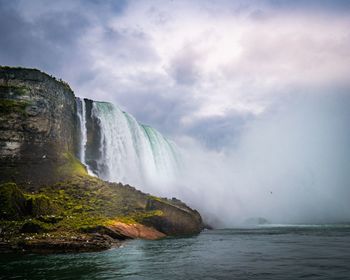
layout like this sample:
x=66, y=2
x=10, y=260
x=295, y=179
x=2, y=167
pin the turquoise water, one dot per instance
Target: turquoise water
x=310, y=252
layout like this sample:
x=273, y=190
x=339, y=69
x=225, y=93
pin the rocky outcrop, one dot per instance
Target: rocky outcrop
x=176, y=218
x=46, y=195
x=91, y=210
x=123, y=231
x=37, y=126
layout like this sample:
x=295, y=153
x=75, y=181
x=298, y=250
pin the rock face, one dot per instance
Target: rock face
x=37, y=126
x=46, y=191
x=93, y=151
x=177, y=218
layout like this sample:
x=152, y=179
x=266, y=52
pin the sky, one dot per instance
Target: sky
x=198, y=69
x=255, y=93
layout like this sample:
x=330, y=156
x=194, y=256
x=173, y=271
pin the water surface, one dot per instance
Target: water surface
x=278, y=252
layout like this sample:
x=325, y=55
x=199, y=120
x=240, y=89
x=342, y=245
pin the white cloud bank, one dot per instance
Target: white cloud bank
x=228, y=61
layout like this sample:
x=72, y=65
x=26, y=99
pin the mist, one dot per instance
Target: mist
x=290, y=164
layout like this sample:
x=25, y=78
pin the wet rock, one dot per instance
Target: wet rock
x=177, y=219
x=82, y=244
x=136, y=230
x=103, y=230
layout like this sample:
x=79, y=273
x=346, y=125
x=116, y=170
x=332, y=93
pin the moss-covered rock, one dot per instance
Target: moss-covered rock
x=39, y=205
x=14, y=91
x=50, y=219
x=35, y=226
x=176, y=218
x=12, y=202
x=70, y=166
x=87, y=207
x=8, y=106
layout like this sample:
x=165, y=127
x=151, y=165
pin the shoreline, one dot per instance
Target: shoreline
x=79, y=244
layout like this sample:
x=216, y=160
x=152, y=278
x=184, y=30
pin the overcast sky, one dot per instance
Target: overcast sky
x=201, y=69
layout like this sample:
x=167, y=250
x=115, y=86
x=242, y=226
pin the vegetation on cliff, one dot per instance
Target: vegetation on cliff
x=84, y=207
x=48, y=202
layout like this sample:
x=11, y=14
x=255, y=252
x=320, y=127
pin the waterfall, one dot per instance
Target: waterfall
x=128, y=152
x=81, y=111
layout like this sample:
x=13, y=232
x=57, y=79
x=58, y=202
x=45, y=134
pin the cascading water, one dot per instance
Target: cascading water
x=81, y=111
x=128, y=152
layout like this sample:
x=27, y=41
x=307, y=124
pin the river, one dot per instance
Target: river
x=268, y=252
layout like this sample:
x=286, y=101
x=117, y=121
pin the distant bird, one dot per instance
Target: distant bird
x=270, y=192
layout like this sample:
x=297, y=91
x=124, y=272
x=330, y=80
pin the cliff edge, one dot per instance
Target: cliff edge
x=38, y=126
x=48, y=202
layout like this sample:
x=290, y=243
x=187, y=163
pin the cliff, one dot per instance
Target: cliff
x=38, y=127
x=48, y=202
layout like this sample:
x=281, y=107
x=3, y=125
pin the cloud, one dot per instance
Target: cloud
x=185, y=67
x=289, y=166
x=44, y=42
x=219, y=131
x=313, y=5
x=255, y=92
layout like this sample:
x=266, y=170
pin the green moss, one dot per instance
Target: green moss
x=80, y=203
x=39, y=205
x=14, y=90
x=12, y=201
x=50, y=219
x=82, y=221
x=156, y=198
x=8, y=106
x=36, y=226
x=71, y=166
x=139, y=217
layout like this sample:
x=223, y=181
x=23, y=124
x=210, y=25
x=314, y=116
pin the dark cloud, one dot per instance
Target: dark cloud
x=219, y=131
x=334, y=5
x=184, y=68
x=125, y=62
x=127, y=45
x=45, y=42
x=115, y=7
x=49, y=39
x=61, y=29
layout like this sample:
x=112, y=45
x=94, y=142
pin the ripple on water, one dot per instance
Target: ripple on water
x=278, y=252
